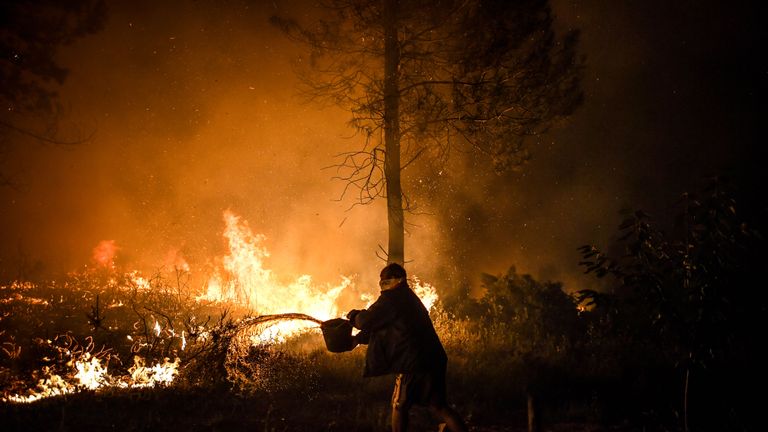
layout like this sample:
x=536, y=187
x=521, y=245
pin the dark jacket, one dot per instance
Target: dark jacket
x=399, y=334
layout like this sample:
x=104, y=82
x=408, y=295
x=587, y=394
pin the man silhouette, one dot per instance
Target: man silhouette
x=402, y=340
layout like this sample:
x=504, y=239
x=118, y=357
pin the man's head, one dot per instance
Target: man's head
x=391, y=276
x=393, y=271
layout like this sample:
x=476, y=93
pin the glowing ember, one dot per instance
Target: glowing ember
x=159, y=374
x=52, y=385
x=16, y=297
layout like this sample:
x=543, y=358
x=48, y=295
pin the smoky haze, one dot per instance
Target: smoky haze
x=194, y=111
x=673, y=95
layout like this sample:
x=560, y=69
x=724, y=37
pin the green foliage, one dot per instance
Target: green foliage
x=682, y=291
x=684, y=303
x=521, y=337
x=541, y=315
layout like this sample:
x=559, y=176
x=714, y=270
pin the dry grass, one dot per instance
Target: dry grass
x=296, y=385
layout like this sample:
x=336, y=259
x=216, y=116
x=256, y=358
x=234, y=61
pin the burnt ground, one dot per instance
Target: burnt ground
x=192, y=410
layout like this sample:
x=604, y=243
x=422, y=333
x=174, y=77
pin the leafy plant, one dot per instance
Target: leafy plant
x=682, y=293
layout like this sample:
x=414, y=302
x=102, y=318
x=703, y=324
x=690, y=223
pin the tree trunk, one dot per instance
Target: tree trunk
x=533, y=413
x=685, y=399
x=395, y=219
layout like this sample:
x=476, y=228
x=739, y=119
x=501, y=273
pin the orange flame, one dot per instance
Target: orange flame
x=159, y=374
x=90, y=373
x=246, y=281
x=104, y=253
x=243, y=279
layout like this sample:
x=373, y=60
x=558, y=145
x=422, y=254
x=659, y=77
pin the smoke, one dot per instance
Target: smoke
x=104, y=253
x=194, y=111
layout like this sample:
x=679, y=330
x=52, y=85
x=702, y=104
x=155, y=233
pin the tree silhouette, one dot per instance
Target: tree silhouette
x=31, y=32
x=421, y=78
x=685, y=295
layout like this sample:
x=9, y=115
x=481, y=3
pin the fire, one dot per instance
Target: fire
x=159, y=374
x=425, y=292
x=16, y=297
x=52, y=385
x=139, y=282
x=241, y=278
x=104, y=253
x=91, y=373
x=245, y=280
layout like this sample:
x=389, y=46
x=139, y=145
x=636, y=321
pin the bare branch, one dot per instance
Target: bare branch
x=45, y=139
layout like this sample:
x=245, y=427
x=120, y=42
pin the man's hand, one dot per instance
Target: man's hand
x=352, y=314
x=361, y=338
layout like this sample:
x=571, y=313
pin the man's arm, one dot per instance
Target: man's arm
x=381, y=313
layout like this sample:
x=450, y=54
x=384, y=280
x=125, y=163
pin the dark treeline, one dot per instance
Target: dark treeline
x=671, y=344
